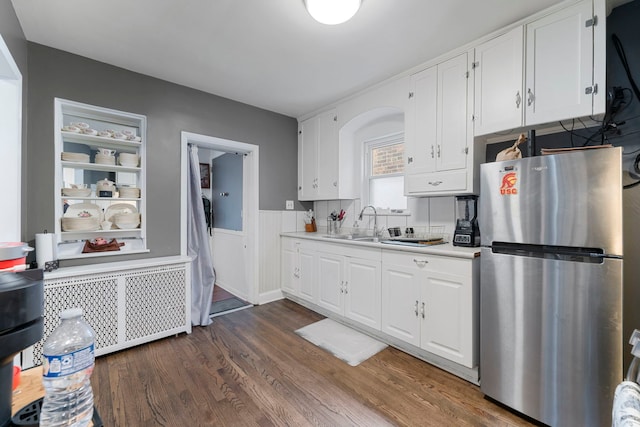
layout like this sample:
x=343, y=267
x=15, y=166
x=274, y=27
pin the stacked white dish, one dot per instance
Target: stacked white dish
x=81, y=217
x=101, y=159
x=75, y=157
x=127, y=220
x=80, y=224
x=128, y=159
x=76, y=192
x=129, y=192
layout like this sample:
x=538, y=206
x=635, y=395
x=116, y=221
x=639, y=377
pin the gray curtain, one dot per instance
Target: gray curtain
x=202, y=275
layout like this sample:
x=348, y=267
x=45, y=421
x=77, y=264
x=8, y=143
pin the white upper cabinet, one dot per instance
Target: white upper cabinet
x=556, y=77
x=421, y=122
x=559, y=66
x=437, y=123
x=318, y=157
x=498, y=66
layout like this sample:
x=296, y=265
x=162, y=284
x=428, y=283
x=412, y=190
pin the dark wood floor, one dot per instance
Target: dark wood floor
x=220, y=294
x=249, y=368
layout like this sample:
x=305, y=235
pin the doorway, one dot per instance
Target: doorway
x=234, y=252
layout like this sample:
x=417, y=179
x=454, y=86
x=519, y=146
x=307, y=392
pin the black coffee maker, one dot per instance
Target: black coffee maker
x=21, y=325
x=467, y=232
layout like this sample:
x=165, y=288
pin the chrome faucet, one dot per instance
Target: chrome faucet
x=375, y=219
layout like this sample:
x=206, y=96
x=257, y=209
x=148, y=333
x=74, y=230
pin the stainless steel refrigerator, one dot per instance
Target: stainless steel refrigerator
x=551, y=285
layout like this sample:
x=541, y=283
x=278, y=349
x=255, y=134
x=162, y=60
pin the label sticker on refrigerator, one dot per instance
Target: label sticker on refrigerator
x=508, y=186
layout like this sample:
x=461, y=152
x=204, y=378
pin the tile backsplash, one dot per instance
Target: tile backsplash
x=421, y=212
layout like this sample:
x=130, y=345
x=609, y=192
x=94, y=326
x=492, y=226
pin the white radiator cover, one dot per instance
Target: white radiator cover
x=126, y=304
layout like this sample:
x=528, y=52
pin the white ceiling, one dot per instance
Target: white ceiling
x=267, y=53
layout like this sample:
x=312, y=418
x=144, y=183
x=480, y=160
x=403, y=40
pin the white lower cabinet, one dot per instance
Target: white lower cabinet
x=350, y=287
x=298, y=268
x=431, y=302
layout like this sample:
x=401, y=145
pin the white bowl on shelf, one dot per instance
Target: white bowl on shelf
x=127, y=225
x=128, y=159
x=75, y=157
x=76, y=192
x=101, y=159
x=129, y=192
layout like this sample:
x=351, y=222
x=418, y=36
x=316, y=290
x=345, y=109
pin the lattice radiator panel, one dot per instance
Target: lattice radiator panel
x=155, y=302
x=98, y=297
x=124, y=308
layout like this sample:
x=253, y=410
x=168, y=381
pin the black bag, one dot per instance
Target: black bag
x=207, y=213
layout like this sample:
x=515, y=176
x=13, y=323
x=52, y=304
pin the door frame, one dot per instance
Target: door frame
x=11, y=134
x=250, y=198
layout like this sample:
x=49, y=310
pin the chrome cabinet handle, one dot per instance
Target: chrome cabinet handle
x=435, y=183
x=438, y=150
x=529, y=97
x=432, y=153
x=518, y=99
x=342, y=287
x=346, y=287
x=416, y=308
x=423, y=310
x=421, y=262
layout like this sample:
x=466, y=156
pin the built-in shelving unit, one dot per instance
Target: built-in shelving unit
x=70, y=241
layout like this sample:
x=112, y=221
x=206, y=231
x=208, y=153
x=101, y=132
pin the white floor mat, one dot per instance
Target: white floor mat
x=343, y=342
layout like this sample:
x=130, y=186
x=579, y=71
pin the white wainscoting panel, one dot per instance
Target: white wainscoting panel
x=270, y=226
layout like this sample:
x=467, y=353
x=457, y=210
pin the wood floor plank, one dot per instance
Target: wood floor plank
x=250, y=368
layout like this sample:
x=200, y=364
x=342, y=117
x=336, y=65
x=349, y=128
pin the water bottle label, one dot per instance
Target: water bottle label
x=59, y=366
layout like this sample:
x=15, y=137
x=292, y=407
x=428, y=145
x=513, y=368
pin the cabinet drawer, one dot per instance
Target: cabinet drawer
x=291, y=243
x=436, y=182
x=416, y=260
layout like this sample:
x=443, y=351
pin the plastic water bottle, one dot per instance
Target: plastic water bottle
x=68, y=360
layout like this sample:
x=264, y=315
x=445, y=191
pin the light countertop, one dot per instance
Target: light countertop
x=445, y=249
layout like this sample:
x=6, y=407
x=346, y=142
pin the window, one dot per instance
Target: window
x=384, y=172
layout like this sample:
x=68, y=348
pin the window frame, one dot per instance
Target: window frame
x=368, y=146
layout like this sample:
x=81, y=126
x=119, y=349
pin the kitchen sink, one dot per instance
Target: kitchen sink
x=352, y=237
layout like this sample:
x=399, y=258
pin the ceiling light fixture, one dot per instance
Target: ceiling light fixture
x=332, y=12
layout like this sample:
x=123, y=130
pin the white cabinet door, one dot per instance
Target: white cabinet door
x=318, y=157
x=306, y=259
x=420, y=122
x=400, y=301
x=498, y=73
x=451, y=148
x=327, y=156
x=289, y=270
x=330, y=281
x=307, y=159
x=362, y=291
x=437, y=130
x=559, y=66
x=445, y=311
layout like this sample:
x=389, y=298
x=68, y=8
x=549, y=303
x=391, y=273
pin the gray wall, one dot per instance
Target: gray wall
x=226, y=177
x=170, y=109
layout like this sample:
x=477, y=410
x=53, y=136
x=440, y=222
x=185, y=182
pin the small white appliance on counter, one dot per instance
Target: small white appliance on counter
x=551, y=285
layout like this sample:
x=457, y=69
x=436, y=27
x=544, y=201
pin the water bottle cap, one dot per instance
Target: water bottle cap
x=71, y=313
